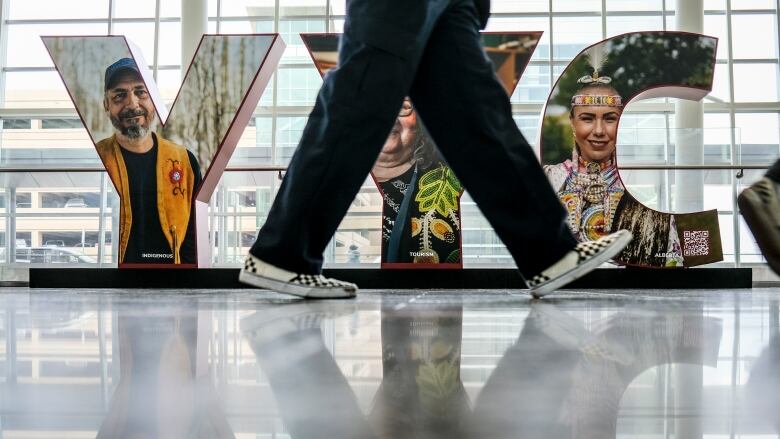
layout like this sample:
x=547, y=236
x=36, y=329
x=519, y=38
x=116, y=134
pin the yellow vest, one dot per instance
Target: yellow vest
x=175, y=189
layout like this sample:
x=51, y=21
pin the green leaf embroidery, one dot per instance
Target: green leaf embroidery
x=437, y=386
x=439, y=190
x=453, y=257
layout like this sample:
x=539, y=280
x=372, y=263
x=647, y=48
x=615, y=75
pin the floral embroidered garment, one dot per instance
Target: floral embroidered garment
x=432, y=232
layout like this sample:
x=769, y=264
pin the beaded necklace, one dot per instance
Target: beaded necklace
x=591, y=195
x=592, y=184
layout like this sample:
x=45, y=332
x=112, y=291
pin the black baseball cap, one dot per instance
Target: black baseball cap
x=115, y=70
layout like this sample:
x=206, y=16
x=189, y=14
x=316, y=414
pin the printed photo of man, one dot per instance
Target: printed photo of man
x=156, y=179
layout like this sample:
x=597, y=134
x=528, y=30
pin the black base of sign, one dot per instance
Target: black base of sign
x=227, y=278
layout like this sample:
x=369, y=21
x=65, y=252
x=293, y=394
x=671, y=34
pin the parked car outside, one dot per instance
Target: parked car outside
x=75, y=202
x=51, y=255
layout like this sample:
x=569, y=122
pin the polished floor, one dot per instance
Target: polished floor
x=390, y=364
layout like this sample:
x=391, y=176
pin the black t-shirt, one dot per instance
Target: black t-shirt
x=147, y=243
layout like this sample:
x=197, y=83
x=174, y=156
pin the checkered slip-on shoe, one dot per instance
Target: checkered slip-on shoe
x=585, y=257
x=316, y=286
x=760, y=206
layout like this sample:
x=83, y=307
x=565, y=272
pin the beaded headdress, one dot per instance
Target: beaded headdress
x=596, y=58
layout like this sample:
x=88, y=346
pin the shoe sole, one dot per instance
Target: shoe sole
x=294, y=290
x=755, y=215
x=260, y=320
x=582, y=269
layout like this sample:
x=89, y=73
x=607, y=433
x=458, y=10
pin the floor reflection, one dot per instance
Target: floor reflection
x=164, y=388
x=313, y=396
x=392, y=365
x=763, y=388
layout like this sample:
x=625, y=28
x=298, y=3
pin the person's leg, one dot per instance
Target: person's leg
x=352, y=117
x=468, y=114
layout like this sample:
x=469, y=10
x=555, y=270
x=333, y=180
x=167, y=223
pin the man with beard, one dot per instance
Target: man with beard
x=155, y=178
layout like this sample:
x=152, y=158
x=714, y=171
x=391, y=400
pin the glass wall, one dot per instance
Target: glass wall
x=55, y=197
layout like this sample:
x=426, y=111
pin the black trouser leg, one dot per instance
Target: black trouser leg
x=468, y=114
x=351, y=120
x=340, y=143
x=460, y=101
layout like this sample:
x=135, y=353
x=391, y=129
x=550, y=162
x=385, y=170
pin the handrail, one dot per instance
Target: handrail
x=277, y=168
x=690, y=167
x=98, y=168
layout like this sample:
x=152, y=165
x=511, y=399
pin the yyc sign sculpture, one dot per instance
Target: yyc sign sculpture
x=166, y=165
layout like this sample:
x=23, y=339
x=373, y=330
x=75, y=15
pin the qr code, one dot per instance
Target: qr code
x=696, y=243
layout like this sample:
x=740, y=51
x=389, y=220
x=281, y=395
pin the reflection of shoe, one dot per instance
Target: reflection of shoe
x=264, y=275
x=570, y=333
x=585, y=257
x=299, y=316
x=760, y=206
x=283, y=335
